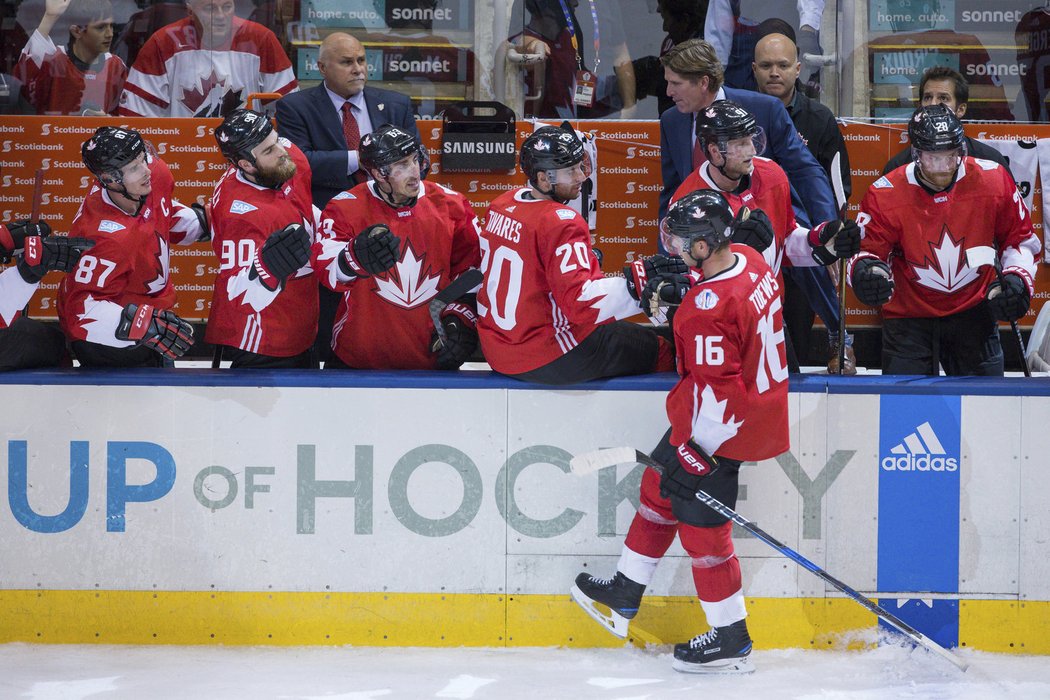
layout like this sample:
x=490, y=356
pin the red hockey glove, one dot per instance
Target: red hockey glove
x=41, y=255
x=639, y=272
x=834, y=240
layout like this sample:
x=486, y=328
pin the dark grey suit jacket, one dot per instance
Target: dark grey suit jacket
x=307, y=119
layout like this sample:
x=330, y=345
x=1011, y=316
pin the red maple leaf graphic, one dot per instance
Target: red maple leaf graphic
x=193, y=99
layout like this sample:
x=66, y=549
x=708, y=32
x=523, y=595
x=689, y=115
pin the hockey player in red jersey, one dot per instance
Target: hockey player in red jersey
x=115, y=306
x=205, y=65
x=24, y=342
x=396, y=241
x=731, y=401
x=918, y=223
x=546, y=312
x=264, y=305
x=82, y=78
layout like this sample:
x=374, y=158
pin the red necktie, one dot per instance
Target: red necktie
x=698, y=154
x=350, y=128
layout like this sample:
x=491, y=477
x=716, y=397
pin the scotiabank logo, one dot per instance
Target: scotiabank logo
x=920, y=451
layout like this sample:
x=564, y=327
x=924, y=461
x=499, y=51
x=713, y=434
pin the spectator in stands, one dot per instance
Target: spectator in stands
x=205, y=65
x=682, y=20
x=80, y=78
x=941, y=85
x=807, y=290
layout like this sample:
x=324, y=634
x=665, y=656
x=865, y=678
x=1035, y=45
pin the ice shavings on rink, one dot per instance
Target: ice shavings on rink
x=56, y=672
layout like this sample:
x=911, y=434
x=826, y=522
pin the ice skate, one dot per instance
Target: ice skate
x=719, y=650
x=611, y=601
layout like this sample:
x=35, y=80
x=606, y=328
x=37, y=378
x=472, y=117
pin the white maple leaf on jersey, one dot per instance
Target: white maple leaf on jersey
x=711, y=428
x=158, y=284
x=609, y=296
x=410, y=287
x=948, y=270
x=100, y=320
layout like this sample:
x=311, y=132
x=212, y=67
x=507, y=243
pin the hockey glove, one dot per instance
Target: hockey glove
x=202, y=218
x=41, y=255
x=372, y=251
x=12, y=237
x=1008, y=301
x=664, y=290
x=755, y=231
x=639, y=272
x=160, y=331
x=872, y=281
x=283, y=253
x=598, y=255
x=834, y=240
x=460, y=324
x=682, y=477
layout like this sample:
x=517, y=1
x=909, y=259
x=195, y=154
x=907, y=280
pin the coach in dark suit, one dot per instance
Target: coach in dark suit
x=315, y=119
x=694, y=81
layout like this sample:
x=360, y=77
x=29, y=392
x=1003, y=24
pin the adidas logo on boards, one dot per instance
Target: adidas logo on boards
x=920, y=451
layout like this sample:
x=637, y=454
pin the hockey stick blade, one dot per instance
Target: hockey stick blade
x=625, y=455
x=455, y=289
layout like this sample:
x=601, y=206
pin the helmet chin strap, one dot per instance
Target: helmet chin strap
x=386, y=193
x=554, y=188
x=123, y=191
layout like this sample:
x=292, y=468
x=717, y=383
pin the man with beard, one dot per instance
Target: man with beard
x=264, y=305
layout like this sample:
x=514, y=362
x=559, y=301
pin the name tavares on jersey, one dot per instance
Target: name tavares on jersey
x=503, y=226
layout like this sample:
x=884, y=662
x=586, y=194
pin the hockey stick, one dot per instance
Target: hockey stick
x=598, y=459
x=982, y=255
x=34, y=213
x=455, y=289
x=843, y=205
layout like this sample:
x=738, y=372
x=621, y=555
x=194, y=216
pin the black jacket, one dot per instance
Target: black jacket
x=820, y=132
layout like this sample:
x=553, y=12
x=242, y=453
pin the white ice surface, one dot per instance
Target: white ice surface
x=55, y=672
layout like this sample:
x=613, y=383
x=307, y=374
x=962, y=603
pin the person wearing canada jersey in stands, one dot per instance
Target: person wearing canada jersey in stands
x=390, y=245
x=918, y=224
x=546, y=312
x=115, y=306
x=264, y=305
x=730, y=406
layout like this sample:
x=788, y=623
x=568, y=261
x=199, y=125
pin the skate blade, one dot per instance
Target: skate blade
x=725, y=666
x=612, y=621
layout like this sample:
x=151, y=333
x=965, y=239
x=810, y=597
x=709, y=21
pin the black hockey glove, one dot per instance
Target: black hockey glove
x=13, y=236
x=682, y=477
x=755, y=231
x=665, y=290
x=461, y=336
x=41, y=255
x=1008, y=301
x=872, y=281
x=202, y=218
x=372, y=251
x=598, y=255
x=640, y=271
x=834, y=240
x=283, y=253
x=160, y=331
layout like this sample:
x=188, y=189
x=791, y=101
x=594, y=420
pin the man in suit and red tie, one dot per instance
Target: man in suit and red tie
x=327, y=122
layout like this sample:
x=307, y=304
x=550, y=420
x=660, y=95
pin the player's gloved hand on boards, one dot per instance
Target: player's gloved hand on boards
x=834, y=240
x=460, y=324
x=682, y=477
x=41, y=255
x=372, y=251
x=14, y=234
x=872, y=281
x=1008, y=301
x=161, y=331
x=638, y=272
x=284, y=252
x=755, y=231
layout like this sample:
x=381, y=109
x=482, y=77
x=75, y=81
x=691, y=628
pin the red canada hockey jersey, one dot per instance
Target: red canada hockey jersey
x=732, y=397
x=768, y=190
x=129, y=261
x=924, y=237
x=543, y=292
x=174, y=77
x=383, y=321
x=54, y=85
x=244, y=314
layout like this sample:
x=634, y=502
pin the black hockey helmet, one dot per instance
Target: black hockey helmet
x=935, y=128
x=724, y=121
x=389, y=144
x=110, y=149
x=700, y=215
x=550, y=148
x=240, y=132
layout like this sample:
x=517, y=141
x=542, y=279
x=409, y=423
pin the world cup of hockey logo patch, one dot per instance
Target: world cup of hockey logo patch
x=706, y=300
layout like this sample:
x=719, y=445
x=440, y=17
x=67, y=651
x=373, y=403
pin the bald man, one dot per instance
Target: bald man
x=327, y=121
